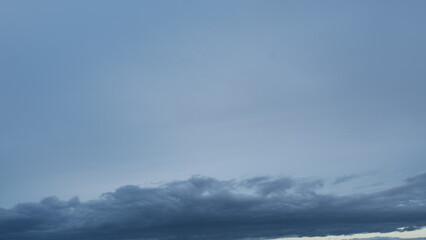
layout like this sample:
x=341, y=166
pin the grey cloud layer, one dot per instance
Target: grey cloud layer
x=207, y=208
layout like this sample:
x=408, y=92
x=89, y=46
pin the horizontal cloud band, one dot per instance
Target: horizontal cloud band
x=207, y=208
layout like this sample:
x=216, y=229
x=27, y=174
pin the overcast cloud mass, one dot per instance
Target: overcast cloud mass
x=207, y=208
x=130, y=98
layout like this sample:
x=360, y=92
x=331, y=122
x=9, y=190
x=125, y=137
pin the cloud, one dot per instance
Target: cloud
x=351, y=177
x=207, y=208
x=345, y=178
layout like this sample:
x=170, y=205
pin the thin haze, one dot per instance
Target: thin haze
x=95, y=95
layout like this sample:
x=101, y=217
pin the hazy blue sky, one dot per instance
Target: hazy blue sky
x=95, y=95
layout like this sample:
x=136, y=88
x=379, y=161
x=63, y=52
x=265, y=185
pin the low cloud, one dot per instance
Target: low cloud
x=345, y=178
x=206, y=208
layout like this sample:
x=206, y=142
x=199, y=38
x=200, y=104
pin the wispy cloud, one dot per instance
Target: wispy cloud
x=207, y=208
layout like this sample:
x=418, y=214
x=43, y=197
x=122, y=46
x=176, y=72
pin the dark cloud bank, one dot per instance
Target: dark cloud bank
x=206, y=208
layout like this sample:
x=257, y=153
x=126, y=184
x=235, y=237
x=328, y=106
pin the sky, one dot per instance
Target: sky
x=296, y=117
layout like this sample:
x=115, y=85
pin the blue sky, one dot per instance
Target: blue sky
x=95, y=95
